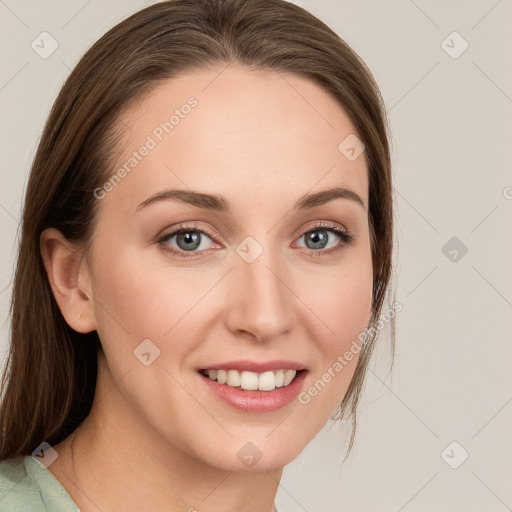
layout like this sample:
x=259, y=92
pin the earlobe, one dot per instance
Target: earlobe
x=66, y=268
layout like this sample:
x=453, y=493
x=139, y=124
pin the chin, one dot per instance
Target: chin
x=245, y=456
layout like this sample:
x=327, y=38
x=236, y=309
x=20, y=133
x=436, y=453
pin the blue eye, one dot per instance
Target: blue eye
x=188, y=239
x=321, y=235
x=319, y=238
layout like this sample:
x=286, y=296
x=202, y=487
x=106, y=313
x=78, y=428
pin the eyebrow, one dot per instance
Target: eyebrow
x=220, y=204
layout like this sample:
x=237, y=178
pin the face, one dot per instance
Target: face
x=259, y=279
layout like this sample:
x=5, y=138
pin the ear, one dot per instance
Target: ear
x=69, y=278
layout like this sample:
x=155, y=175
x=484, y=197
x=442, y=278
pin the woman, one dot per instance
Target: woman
x=205, y=252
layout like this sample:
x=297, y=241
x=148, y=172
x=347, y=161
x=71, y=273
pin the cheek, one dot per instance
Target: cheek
x=342, y=300
x=140, y=297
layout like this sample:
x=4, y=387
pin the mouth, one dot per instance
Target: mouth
x=253, y=381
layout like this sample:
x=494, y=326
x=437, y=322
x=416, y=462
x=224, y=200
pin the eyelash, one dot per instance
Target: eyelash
x=346, y=239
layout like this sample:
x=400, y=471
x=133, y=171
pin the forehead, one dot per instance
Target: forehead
x=236, y=131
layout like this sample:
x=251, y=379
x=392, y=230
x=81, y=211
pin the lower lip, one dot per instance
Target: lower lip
x=257, y=401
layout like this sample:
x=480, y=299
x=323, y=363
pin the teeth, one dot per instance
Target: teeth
x=279, y=378
x=288, y=377
x=233, y=378
x=267, y=381
x=248, y=380
x=251, y=381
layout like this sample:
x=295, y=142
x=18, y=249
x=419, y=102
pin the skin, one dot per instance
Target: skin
x=156, y=437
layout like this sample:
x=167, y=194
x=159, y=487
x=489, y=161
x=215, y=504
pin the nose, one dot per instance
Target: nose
x=261, y=301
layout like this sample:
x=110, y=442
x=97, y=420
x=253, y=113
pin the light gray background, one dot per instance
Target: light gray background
x=452, y=153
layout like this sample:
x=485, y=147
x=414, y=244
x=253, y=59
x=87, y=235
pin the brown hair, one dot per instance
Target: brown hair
x=50, y=375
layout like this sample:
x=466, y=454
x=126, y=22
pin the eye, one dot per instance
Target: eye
x=185, y=239
x=322, y=239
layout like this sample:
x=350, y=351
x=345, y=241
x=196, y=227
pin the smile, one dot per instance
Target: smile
x=251, y=381
x=251, y=391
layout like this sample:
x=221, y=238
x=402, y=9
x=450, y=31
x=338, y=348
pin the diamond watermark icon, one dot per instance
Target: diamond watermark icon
x=44, y=454
x=454, y=249
x=249, y=249
x=146, y=352
x=249, y=454
x=454, y=45
x=44, y=45
x=454, y=455
x=351, y=147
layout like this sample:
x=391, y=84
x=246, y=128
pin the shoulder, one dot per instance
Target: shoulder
x=27, y=485
x=17, y=491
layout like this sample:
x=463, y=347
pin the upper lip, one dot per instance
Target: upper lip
x=255, y=366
